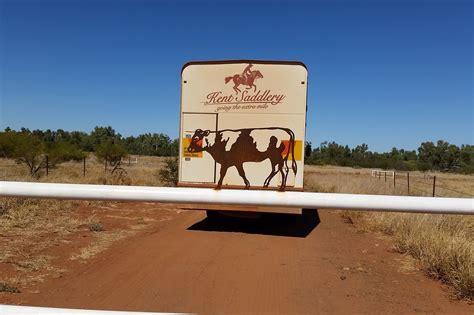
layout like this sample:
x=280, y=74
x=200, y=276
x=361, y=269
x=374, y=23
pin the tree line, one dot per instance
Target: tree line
x=37, y=147
x=440, y=156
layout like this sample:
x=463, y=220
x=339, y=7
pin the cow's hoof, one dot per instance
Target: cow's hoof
x=218, y=187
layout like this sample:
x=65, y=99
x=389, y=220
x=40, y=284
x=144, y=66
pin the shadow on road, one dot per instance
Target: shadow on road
x=278, y=224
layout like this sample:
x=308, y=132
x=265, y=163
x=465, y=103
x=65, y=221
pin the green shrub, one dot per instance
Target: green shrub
x=4, y=287
x=111, y=152
x=169, y=173
x=96, y=227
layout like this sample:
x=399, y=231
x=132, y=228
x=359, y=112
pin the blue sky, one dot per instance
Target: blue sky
x=385, y=73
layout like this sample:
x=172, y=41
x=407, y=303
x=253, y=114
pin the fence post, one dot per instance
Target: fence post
x=434, y=185
x=394, y=175
x=47, y=166
x=408, y=182
x=105, y=168
x=380, y=174
x=84, y=167
x=385, y=176
x=129, y=160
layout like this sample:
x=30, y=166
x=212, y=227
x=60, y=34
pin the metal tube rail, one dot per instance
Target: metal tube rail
x=239, y=197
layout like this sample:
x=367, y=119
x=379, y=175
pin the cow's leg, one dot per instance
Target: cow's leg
x=254, y=88
x=223, y=172
x=240, y=169
x=236, y=89
x=272, y=174
x=283, y=176
x=269, y=178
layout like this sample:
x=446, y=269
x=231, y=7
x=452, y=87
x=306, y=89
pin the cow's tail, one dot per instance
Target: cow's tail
x=294, y=166
x=291, y=145
x=227, y=79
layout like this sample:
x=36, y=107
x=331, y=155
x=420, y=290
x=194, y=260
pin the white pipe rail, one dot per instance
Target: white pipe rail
x=239, y=197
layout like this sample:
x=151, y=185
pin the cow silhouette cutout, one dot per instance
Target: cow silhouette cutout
x=244, y=149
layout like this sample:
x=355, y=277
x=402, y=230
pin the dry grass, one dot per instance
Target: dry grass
x=102, y=242
x=143, y=173
x=29, y=227
x=359, y=181
x=443, y=244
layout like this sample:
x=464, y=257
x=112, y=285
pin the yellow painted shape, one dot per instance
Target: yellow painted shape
x=298, y=150
x=186, y=142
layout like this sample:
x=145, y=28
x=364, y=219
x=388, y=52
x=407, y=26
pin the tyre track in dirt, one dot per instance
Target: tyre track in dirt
x=280, y=264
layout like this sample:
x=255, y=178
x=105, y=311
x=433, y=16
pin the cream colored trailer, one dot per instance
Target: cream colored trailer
x=243, y=124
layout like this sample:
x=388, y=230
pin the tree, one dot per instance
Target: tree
x=7, y=145
x=62, y=152
x=81, y=140
x=467, y=159
x=426, y=154
x=442, y=156
x=307, y=149
x=29, y=150
x=174, y=148
x=152, y=144
x=110, y=152
x=467, y=154
x=102, y=135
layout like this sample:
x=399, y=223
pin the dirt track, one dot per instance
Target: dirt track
x=280, y=264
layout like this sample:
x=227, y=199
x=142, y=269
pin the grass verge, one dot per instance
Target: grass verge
x=443, y=244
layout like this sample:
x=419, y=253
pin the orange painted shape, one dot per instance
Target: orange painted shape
x=298, y=150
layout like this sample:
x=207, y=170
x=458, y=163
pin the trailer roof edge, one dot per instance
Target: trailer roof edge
x=267, y=62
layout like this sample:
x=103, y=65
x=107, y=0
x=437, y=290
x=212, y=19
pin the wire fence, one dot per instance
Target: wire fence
x=409, y=181
x=115, y=168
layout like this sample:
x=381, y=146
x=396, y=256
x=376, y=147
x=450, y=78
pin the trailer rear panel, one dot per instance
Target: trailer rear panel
x=243, y=124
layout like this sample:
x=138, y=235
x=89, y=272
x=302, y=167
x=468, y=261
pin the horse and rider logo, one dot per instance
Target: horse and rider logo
x=255, y=97
x=247, y=77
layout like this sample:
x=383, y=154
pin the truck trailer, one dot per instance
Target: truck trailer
x=242, y=125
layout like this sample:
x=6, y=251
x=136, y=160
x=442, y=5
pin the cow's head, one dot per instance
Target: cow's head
x=196, y=140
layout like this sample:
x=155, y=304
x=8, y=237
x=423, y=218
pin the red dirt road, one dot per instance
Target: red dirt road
x=274, y=265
